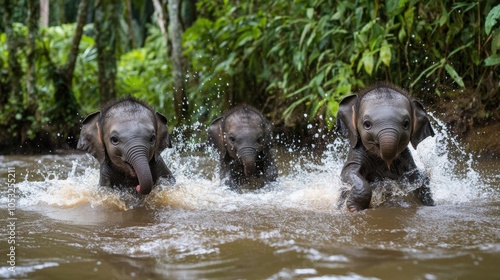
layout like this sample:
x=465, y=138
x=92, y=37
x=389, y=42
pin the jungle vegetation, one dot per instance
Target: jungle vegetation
x=193, y=59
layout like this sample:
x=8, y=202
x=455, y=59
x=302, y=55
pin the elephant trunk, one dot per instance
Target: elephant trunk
x=137, y=157
x=248, y=157
x=389, y=145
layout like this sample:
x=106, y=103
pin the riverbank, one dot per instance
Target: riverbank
x=465, y=117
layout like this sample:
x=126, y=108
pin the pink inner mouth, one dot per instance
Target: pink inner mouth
x=138, y=188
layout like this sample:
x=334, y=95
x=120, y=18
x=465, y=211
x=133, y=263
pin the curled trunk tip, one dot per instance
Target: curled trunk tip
x=141, y=167
x=248, y=157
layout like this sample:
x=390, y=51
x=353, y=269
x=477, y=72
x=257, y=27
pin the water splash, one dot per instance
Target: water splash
x=309, y=179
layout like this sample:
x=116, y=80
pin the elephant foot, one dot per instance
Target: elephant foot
x=358, y=199
x=343, y=197
x=355, y=205
x=345, y=194
x=423, y=194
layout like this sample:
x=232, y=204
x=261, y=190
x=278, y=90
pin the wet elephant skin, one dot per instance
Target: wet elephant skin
x=127, y=137
x=380, y=122
x=243, y=139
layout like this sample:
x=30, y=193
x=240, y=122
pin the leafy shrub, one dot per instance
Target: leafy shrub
x=310, y=54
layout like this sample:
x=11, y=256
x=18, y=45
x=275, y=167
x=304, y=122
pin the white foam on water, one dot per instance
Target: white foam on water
x=303, y=183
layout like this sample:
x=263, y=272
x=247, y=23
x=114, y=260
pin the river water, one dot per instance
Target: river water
x=66, y=227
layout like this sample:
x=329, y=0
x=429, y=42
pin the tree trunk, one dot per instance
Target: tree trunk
x=128, y=11
x=44, y=13
x=178, y=65
x=10, y=87
x=65, y=110
x=33, y=18
x=73, y=55
x=107, y=13
x=162, y=20
x=15, y=70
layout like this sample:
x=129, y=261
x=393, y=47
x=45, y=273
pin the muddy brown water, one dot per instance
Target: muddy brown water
x=66, y=227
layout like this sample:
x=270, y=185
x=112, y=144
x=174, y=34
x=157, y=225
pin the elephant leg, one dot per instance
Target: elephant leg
x=228, y=175
x=359, y=197
x=162, y=171
x=105, y=176
x=344, y=194
x=422, y=193
x=270, y=171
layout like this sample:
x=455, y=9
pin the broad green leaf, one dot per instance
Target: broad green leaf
x=310, y=13
x=492, y=60
x=317, y=104
x=491, y=19
x=495, y=41
x=244, y=38
x=395, y=7
x=304, y=33
x=311, y=37
x=402, y=35
x=429, y=70
x=368, y=26
x=368, y=62
x=454, y=75
x=288, y=112
x=256, y=32
x=409, y=18
x=385, y=54
x=443, y=18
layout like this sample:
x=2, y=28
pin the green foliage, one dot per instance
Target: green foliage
x=492, y=19
x=493, y=24
x=309, y=54
x=145, y=73
x=294, y=60
x=54, y=45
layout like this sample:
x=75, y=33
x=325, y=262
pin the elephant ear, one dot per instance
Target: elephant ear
x=162, y=133
x=346, y=119
x=215, y=136
x=421, y=125
x=90, y=137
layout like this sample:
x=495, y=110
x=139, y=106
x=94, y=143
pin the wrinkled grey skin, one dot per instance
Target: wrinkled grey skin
x=380, y=124
x=127, y=137
x=243, y=139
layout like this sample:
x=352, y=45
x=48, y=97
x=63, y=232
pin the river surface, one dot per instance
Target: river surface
x=66, y=227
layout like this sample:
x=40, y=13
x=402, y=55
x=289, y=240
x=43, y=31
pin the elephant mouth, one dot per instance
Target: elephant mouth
x=131, y=170
x=373, y=148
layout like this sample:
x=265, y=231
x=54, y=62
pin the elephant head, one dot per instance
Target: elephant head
x=244, y=135
x=127, y=136
x=385, y=119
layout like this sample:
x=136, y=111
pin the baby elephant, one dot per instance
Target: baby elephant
x=127, y=137
x=380, y=123
x=243, y=138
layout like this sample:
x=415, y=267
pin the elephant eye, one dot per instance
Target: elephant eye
x=152, y=139
x=260, y=140
x=232, y=139
x=114, y=140
x=367, y=125
x=406, y=124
